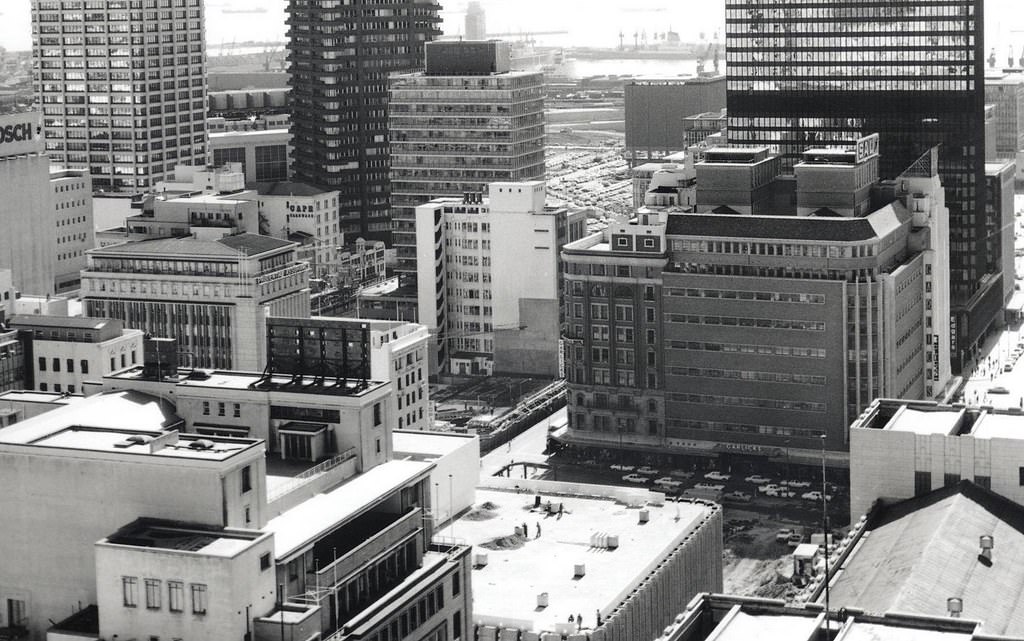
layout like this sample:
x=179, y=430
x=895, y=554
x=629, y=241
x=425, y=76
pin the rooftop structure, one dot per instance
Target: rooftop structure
x=915, y=554
x=719, y=617
x=595, y=553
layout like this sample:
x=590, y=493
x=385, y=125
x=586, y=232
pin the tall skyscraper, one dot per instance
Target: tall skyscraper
x=802, y=73
x=122, y=87
x=340, y=57
x=465, y=121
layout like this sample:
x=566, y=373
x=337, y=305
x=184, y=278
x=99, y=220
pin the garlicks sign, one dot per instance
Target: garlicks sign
x=20, y=134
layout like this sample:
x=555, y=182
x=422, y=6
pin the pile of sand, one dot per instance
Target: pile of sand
x=512, y=542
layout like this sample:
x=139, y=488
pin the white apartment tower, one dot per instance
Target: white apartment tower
x=489, y=281
x=122, y=84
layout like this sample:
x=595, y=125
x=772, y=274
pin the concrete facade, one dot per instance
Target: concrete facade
x=231, y=284
x=66, y=352
x=263, y=153
x=485, y=266
x=657, y=107
x=122, y=150
x=72, y=204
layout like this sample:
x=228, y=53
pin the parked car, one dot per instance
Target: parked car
x=782, y=536
x=1008, y=367
x=771, y=487
x=795, y=484
x=757, y=479
x=715, y=487
x=647, y=470
x=668, y=483
x=998, y=389
x=815, y=496
x=715, y=475
x=795, y=539
x=780, y=493
x=636, y=478
x=738, y=497
x=623, y=468
x=681, y=474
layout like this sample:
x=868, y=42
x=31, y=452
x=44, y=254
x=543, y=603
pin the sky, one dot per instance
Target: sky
x=588, y=22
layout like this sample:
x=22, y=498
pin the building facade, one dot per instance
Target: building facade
x=67, y=351
x=340, y=57
x=807, y=316
x=72, y=204
x=28, y=246
x=657, y=108
x=212, y=296
x=122, y=88
x=489, y=279
x=465, y=121
x=802, y=75
x=263, y=153
x=1006, y=92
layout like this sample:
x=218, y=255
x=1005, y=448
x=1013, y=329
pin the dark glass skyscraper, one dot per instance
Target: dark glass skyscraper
x=341, y=54
x=807, y=72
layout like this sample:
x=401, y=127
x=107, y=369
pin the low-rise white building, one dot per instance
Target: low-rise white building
x=902, y=449
x=67, y=351
x=489, y=279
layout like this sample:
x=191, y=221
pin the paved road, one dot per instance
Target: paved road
x=528, y=446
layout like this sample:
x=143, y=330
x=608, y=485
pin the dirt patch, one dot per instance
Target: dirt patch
x=753, y=562
x=513, y=542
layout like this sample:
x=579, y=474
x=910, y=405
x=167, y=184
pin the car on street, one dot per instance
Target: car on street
x=815, y=496
x=795, y=539
x=771, y=487
x=1008, y=367
x=647, y=470
x=738, y=497
x=668, y=483
x=636, y=478
x=681, y=474
x=998, y=389
x=715, y=475
x=623, y=468
x=757, y=479
x=781, y=493
x=782, y=536
x=714, y=487
x=795, y=484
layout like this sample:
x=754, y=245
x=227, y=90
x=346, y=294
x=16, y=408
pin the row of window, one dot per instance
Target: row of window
x=154, y=592
x=733, y=294
x=739, y=321
x=743, y=428
x=746, y=375
x=749, y=401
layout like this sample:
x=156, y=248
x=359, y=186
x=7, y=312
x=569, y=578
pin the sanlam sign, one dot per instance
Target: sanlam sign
x=20, y=134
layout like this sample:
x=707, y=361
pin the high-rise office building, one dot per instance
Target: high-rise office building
x=122, y=87
x=340, y=57
x=463, y=122
x=476, y=21
x=804, y=74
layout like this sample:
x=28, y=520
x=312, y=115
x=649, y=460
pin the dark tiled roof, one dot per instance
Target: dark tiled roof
x=65, y=322
x=169, y=246
x=770, y=227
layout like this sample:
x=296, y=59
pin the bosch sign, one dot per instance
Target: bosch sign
x=16, y=133
x=20, y=134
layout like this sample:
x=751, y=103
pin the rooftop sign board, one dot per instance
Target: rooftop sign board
x=20, y=134
x=866, y=148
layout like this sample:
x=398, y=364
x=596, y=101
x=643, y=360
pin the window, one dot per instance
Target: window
x=923, y=482
x=246, y=478
x=220, y=409
x=71, y=365
x=42, y=387
x=206, y=407
x=56, y=365
x=42, y=364
x=265, y=561
x=124, y=363
x=237, y=411
x=456, y=584
x=983, y=481
x=198, y=598
x=377, y=416
x=175, y=596
x=950, y=479
x=153, y=594
x=457, y=625
x=129, y=591
x=378, y=446
x=84, y=366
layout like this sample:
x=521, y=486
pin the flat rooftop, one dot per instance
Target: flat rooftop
x=299, y=528
x=180, y=446
x=425, y=444
x=766, y=627
x=928, y=417
x=223, y=379
x=518, y=570
x=184, y=537
x=130, y=411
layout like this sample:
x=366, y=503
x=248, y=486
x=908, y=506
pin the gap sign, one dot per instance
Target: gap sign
x=20, y=134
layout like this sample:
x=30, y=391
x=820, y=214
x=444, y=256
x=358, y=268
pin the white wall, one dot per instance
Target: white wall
x=28, y=244
x=98, y=356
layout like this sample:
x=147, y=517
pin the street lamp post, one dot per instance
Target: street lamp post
x=824, y=526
